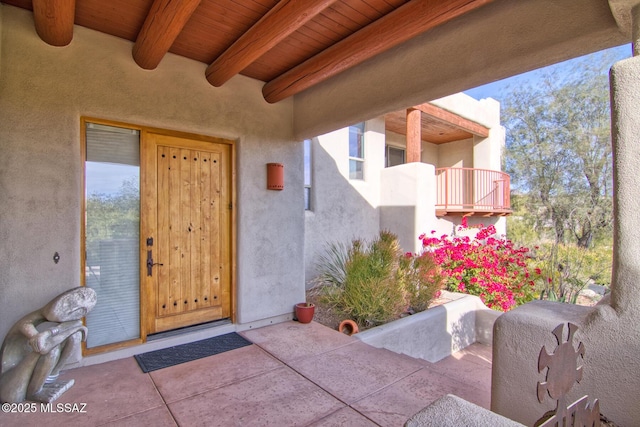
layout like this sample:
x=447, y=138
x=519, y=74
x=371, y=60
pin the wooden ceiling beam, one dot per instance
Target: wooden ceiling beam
x=277, y=24
x=54, y=20
x=404, y=23
x=453, y=119
x=165, y=21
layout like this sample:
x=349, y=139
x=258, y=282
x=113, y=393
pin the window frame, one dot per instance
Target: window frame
x=387, y=156
x=308, y=169
x=359, y=131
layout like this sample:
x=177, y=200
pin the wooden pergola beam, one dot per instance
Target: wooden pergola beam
x=277, y=24
x=404, y=23
x=453, y=119
x=165, y=21
x=54, y=20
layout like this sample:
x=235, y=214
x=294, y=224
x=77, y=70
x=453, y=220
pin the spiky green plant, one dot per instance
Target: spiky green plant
x=373, y=283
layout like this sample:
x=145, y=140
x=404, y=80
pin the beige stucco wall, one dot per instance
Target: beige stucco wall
x=429, y=153
x=45, y=90
x=341, y=208
x=456, y=154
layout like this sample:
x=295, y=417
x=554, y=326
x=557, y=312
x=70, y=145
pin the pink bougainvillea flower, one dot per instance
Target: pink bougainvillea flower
x=488, y=266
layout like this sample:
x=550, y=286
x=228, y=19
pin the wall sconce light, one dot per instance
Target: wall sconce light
x=275, y=176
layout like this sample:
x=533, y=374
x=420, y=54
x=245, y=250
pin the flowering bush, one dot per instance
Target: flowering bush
x=488, y=266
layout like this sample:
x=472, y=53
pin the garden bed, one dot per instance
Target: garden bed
x=453, y=322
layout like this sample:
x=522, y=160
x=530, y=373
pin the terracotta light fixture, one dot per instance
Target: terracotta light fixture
x=275, y=176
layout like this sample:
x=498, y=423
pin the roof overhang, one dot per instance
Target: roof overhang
x=499, y=40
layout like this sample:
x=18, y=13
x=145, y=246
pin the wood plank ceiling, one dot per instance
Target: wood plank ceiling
x=437, y=125
x=290, y=45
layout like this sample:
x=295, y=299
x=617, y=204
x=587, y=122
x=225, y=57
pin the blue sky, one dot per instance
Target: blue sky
x=500, y=89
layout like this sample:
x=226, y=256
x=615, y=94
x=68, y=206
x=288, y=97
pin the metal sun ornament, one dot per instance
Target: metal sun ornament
x=562, y=372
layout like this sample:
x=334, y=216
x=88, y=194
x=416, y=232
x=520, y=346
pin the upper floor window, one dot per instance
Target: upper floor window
x=307, y=174
x=395, y=156
x=356, y=151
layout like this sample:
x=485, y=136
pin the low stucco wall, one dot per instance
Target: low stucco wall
x=438, y=332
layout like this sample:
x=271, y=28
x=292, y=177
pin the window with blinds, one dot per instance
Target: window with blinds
x=112, y=232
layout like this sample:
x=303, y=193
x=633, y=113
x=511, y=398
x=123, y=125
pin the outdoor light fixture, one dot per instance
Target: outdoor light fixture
x=275, y=176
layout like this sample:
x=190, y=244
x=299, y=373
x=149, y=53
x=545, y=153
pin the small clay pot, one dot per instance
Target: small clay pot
x=304, y=312
x=348, y=327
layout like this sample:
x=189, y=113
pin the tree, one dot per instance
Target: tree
x=112, y=216
x=559, y=150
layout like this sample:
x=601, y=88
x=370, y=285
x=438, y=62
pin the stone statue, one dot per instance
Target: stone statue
x=39, y=345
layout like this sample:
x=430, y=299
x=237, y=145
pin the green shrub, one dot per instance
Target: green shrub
x=564, y=270
x=422, y=280
x=374, y=283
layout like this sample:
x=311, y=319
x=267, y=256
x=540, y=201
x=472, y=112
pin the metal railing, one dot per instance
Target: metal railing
x=473, y=190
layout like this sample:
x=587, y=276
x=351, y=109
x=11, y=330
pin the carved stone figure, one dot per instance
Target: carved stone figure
x=39, y=345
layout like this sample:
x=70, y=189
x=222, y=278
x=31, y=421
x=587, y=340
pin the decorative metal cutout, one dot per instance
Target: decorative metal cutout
x=562, y=372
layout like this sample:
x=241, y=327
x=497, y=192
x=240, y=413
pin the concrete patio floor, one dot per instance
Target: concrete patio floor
x=293, y=375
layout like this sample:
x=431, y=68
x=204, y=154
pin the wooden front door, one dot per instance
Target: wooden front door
x=187, y=230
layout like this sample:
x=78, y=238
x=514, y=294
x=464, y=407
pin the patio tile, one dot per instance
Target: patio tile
x=395, y=404
x=111, y=391
x=344, y=417
x=289, y=341
x=156, y=417
x=188, y=379
x=468, y=369
x=278, y=397
x=356, y=370
x=477, y=353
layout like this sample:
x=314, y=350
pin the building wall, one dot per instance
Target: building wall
x=429, y=153
x=400, y=199
x=456, y=154
x=341, y=208
x=45, y=90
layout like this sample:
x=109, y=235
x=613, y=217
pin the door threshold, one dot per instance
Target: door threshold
x=188, y=329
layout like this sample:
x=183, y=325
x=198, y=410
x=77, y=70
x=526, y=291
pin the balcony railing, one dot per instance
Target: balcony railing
x=465, y=191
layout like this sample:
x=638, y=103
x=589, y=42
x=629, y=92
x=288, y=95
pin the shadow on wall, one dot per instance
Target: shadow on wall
x=339, y=212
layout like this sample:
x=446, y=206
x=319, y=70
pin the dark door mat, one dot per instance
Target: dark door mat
x=171, y=356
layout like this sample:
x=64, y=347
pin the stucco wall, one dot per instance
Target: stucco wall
x=45, y=90
x=342, y=208
x=407, y=204
x=456, y=154
x=429, y=153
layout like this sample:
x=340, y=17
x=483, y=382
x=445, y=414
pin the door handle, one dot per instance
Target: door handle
x=150, y=263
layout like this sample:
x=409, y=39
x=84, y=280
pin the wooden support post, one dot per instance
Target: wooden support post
x=414, y=135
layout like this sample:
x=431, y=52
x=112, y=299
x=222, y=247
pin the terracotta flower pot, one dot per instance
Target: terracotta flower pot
x=348, y=327
x=304, y=312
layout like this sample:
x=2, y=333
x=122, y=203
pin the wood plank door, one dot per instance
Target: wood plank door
x=186, y=220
